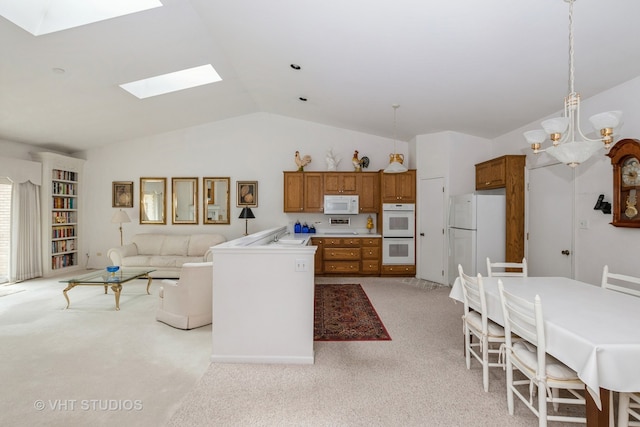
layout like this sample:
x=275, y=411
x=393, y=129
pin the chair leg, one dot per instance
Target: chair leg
x=542, y=406
x=623, y=410
x=509, y=375
x=555, y=393
x=467, y=344
x=485, y=363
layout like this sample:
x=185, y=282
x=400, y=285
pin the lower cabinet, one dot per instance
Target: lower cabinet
x=398, y=270
x=347, y=256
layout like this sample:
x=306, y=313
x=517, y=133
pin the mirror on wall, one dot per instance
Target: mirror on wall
x=152, y=200
x=216, y=206
x=184, y=197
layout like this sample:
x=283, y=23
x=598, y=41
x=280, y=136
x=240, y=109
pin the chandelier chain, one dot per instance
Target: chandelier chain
x=571, y=50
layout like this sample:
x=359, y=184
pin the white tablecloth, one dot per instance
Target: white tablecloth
x=594, y=331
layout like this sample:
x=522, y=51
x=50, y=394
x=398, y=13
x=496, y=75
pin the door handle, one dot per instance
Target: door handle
x=422, y=234
x=566, y=252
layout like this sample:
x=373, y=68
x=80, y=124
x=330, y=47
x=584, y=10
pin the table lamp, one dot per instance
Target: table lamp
x=120, y=217
x=246, y=214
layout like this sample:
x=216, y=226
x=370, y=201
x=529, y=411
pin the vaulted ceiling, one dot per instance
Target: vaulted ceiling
x=478, y=67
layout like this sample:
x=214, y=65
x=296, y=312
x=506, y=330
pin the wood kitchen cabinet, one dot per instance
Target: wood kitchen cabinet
x=348, y=256
x=398, y=187
x=371, y=256
x=342, y=183
x=399, y=270
x=369, y=192
x=507, y=172
x=303, y=192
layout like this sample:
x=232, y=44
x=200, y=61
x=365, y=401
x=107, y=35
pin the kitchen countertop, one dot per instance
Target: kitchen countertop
x=330, y=234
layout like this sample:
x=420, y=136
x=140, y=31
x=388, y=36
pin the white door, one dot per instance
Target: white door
x=550, y=219
x=431, y=232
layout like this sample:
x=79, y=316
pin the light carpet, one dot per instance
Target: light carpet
x=77, y=362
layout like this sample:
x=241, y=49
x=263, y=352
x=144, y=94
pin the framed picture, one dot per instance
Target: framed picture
x=247, y=192
x=122, y=194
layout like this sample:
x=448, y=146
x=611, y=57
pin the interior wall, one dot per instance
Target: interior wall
x=600, y=243
x=257, y=147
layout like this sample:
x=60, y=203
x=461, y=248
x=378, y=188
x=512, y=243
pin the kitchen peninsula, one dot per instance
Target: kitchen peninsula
x=263, y=290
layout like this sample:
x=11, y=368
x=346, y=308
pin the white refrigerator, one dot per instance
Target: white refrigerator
x=477, y=230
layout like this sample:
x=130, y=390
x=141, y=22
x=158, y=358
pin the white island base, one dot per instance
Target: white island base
x=263, y=295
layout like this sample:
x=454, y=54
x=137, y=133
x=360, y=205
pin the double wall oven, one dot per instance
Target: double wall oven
x=398, y=233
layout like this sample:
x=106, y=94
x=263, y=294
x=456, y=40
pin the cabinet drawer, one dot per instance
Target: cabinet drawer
x=370, y=252
x=398, y=270
x=342, y=253
x=370, y=267
x=341, y=242
x=372, y=241
x=352, y=267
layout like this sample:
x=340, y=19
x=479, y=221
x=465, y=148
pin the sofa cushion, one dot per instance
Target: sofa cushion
x=148, y=244
x=174, y=245
x=136, y=261
x=164, y=261
x=200, y=243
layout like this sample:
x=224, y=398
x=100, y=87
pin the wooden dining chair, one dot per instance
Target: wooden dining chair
x=629, y=410
x=620, y=282
x=489, y=334
x=507, y=269
x=542, y=373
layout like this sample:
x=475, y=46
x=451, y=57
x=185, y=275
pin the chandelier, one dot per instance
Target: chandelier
x=395, y=159
x=570, y=145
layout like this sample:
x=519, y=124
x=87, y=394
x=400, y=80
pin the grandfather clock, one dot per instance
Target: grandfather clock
x=625, y=158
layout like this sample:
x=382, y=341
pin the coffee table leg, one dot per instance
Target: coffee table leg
x=71, y=286
x=148, y=284
x=116, y=290
x=105, y=289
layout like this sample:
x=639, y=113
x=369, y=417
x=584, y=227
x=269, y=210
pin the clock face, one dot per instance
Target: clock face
x=631, y=172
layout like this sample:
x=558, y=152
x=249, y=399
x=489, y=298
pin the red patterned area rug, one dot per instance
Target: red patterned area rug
x=344, y=313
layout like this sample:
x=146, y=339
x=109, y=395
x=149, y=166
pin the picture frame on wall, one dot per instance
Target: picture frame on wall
x=247, y=194
x=122, y=194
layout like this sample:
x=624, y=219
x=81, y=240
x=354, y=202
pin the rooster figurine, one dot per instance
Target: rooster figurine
x=356, y=161
x=358, y=164
x=302, y=162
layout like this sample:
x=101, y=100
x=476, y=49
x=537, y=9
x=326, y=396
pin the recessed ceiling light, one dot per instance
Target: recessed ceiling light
x=172, y=82
x=48, y=16
x=295, y=66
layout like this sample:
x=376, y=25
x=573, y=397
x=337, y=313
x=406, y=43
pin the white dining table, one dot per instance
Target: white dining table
x=594, y=331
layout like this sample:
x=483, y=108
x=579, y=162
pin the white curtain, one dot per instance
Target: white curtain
x=26, y=259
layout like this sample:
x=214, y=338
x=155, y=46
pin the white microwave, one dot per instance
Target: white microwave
x=341, y=205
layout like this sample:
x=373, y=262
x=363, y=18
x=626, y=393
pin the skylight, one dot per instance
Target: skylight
x=172, y=82
x=48, y=16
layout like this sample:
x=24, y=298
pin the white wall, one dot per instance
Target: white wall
x=257, y=147
x=601, y=243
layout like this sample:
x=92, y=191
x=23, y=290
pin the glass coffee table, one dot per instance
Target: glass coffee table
x=106, y=279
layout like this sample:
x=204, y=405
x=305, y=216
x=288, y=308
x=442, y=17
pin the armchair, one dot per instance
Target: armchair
x=187, y=303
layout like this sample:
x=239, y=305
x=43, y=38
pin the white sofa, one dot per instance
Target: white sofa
x=166, y=253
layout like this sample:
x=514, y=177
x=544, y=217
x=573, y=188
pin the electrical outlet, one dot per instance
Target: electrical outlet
x=301, y=265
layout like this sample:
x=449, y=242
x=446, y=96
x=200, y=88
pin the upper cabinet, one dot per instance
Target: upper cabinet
x=341, y=182
x=369, y=191
x=303, y=192
x=507, y=172
x=398, y=187
x=491, y=174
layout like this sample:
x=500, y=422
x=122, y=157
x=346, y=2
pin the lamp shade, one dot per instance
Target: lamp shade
x=609, y=119
x=556, y=125
x=246, y=213
x=395, y=167
x=575, y=152
x=535, y=136
x=120, y=217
